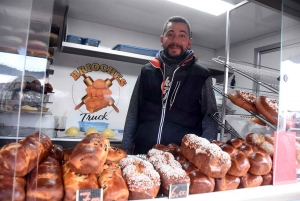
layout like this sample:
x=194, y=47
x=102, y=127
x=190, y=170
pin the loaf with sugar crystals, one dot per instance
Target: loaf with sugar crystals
x=208, y=157
x=19, y=158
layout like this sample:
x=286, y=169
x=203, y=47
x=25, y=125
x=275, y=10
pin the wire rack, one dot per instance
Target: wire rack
x=264, y=76
x=219, y=89
x=228, y=128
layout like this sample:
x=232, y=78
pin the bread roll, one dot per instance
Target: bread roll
x=257, y=121
x=200, y=183
x=74, y=182
x=89, y=154
x=19, y=158
x=228, y=182
x=208, y=157
x=250, y=180
x=67, y=153
x=142, y=180
x=236, y=142
x=113, y=184
x=45, y=182
x=267, y=179
x=188, y=167
x=115, y=154
x=243, y=99
x=12, y=188
x=260, y=164
x=268, y=108
x=246, y=149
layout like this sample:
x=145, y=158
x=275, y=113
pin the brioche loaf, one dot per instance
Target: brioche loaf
x=208, y=157
x=113, y=184
x=243, y=99
x=142, y=180
x=74, y=182
x=45, y=182
x=57, y=152
x=12, y=188
x=260, y=164
x=200, y=183
x=115, y=154
x=268, y=108
x=89, y=155
x=19, y=158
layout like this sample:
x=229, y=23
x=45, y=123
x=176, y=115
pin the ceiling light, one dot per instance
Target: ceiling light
x=214, y=7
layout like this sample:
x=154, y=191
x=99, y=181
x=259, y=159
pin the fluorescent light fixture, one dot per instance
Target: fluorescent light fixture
x=214, y=7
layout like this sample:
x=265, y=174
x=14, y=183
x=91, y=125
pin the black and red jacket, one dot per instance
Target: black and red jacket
x=183, y=111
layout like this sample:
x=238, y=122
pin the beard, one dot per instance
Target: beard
x=166, y=51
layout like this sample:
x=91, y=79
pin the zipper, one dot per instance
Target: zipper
x=174, y=94
x=164, y=105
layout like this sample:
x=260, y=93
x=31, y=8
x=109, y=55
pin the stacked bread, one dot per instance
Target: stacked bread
x=199, y=182
x=169, y=169
x=259, y=105
x=28, y=157
x=142, y=180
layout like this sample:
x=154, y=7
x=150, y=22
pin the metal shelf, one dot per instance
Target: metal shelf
x=106, y=53
x=262, y=75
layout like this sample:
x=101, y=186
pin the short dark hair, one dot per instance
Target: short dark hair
x=178, y=19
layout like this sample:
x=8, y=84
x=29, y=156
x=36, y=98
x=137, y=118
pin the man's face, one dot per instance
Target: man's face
x=176, y=40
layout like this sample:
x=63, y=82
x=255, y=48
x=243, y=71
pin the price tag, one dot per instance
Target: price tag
x=178, y=191
x=89, y=195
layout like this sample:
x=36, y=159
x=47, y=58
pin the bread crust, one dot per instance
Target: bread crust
x=243, y=99
x=268, y=108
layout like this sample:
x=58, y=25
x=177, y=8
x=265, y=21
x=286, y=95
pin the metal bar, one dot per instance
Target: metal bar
x=227, y=50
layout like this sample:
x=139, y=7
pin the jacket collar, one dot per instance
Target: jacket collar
x=156, y=63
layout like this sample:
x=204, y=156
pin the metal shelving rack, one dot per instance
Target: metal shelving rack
x=218, y=88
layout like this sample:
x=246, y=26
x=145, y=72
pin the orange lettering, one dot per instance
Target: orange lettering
x=89, y=67
x=82, y=70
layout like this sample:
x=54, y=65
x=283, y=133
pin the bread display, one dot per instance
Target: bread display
x=45, y=182
x=142, y=180
x=268, y=108
x=89, y=155
x=115, y=154
x=113, y=184
x=169, y=169
x=19, y=158
x=12, y=188
x=208, y=157
x=74, y=182
x=228, y=182
x=243, y=99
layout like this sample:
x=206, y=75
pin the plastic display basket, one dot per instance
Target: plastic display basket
x=99, y=126
x=136, y=50
x=74, y=39
x=90, y=42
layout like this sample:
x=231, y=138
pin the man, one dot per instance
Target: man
x=173, y=95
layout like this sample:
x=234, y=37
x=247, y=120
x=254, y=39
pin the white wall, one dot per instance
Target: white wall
x=111, y=36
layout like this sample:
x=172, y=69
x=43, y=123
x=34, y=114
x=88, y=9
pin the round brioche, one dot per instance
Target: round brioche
x=260, y=164
x=267, y=179
x=236, y=142
x=250, y=180
x=243, y=99
x=246, y=149
x=200, y=183
x=160, y=147
x=228, y=182
x=239, y=165
x=268, y=108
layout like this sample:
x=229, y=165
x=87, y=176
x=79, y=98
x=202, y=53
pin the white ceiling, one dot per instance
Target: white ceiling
x=148, y=16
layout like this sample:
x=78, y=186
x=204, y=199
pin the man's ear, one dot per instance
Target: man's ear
x=161, y=38
x=190, y=43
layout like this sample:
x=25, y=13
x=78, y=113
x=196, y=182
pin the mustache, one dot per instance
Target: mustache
x=175, y=45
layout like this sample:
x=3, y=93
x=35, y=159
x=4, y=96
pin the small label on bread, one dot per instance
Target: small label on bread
x=178, y=191
x=89, y=195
